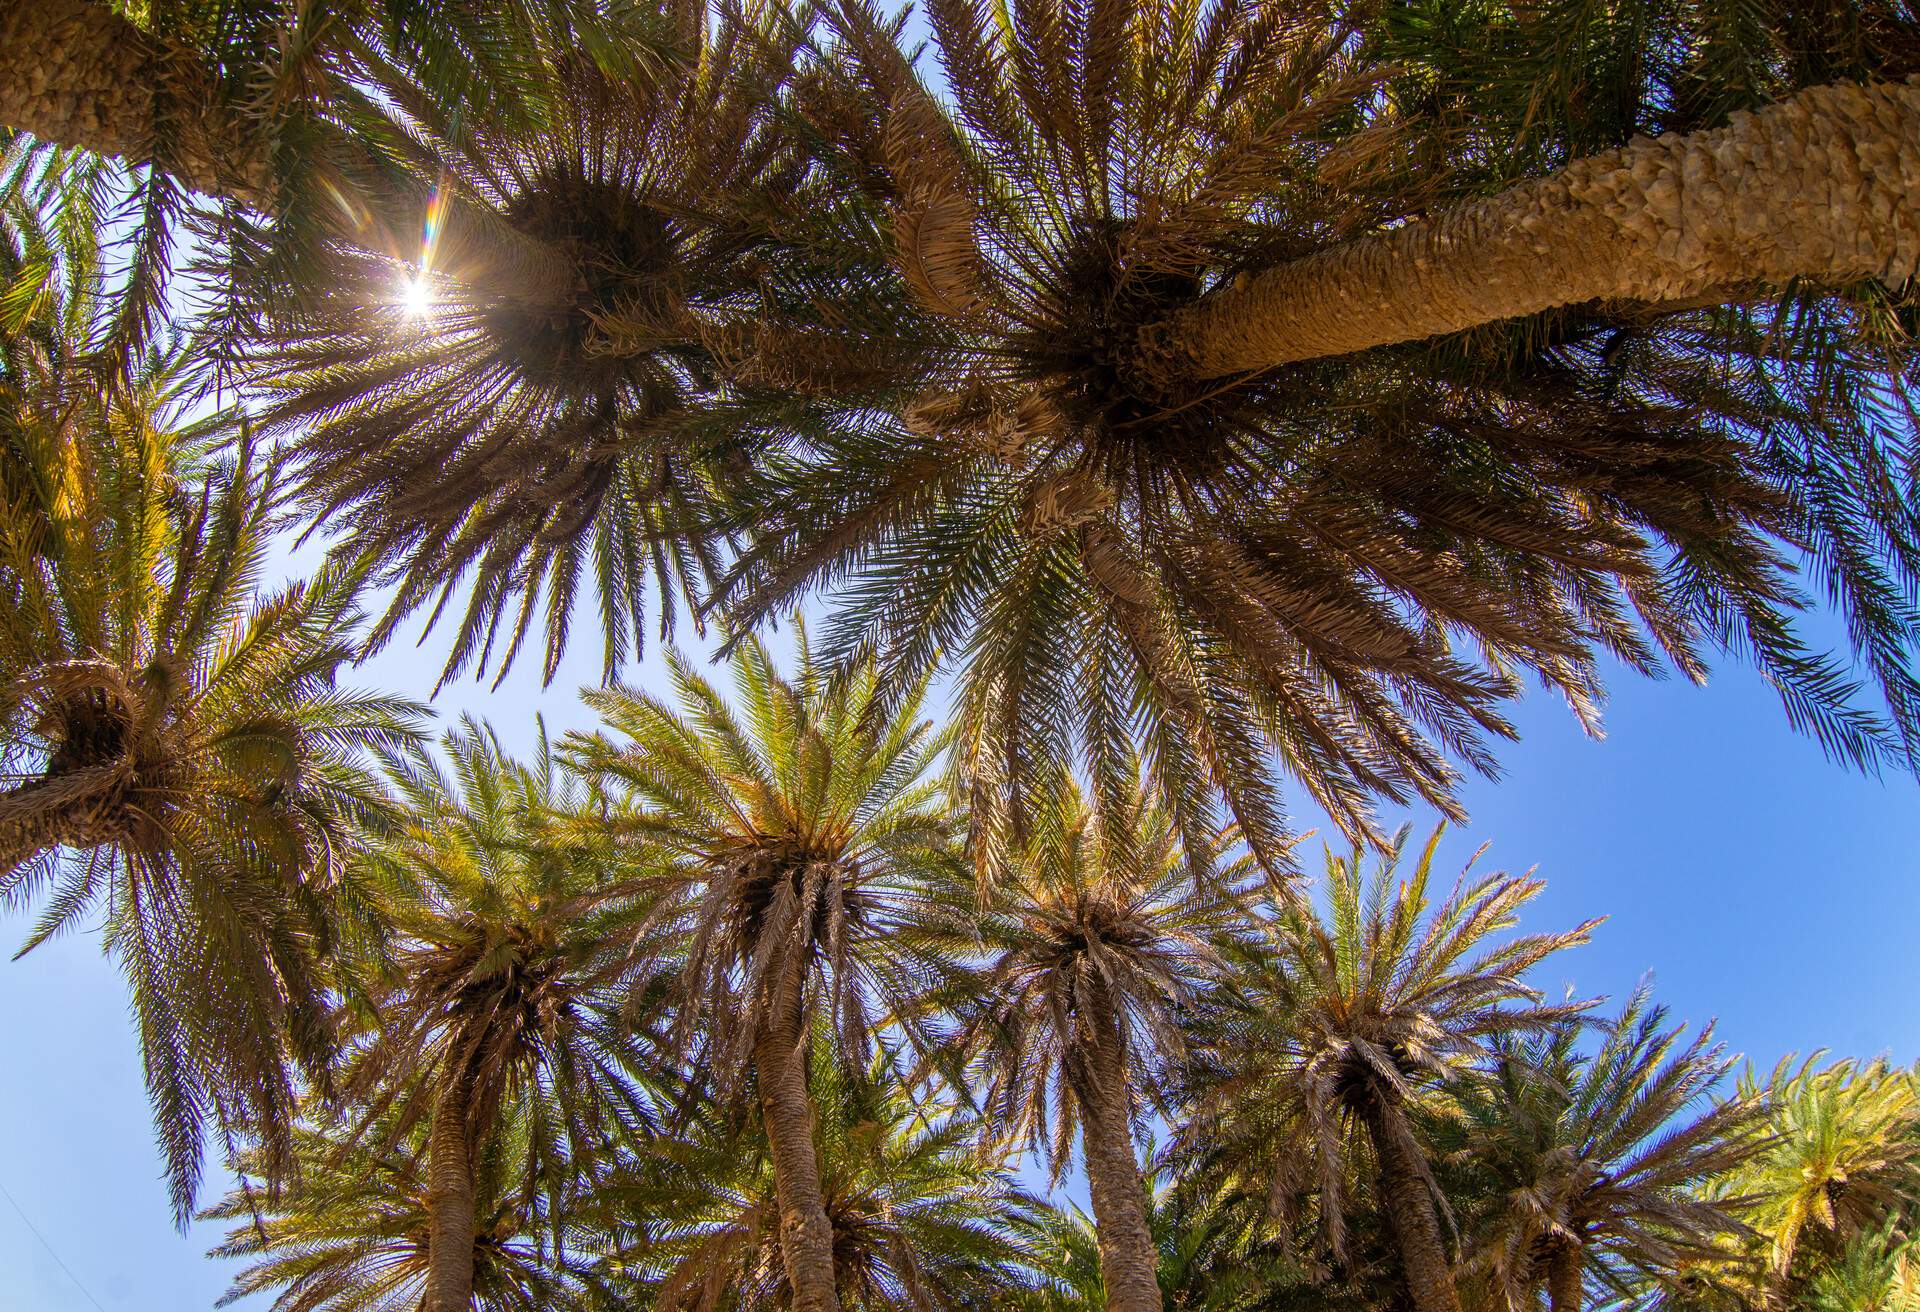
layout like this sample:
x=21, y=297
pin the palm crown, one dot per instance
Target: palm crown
x=175, y=747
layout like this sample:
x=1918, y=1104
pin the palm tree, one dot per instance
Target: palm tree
x=508, y=977
x=1841, y=1159
x=173, y=747
x=1593, y=1161
x=1349, y=561
x=920, y=1220
x=792, y=838
x=1351, y=1015
x=552, y=438
x=1070, y=989
x=352, y=1232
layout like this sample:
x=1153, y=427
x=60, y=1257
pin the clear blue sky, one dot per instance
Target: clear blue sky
x=1764, y=886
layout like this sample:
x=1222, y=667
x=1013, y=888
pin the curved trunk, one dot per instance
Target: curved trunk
x=450, y=1200
x=1408, y=1203
x=1129, y=1261
x=1565, y=1272
x=1820, y=186
x=75, y=73
x=24, y=839
x=786, y=1109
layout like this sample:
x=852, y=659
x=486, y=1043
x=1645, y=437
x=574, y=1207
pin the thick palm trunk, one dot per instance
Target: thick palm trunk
x=450, y=1200
x=1565, y=1278
x=74, y=73
x=1823, y=186
x=1408, y=1203
x=1128, y=1258
x=786, y=1109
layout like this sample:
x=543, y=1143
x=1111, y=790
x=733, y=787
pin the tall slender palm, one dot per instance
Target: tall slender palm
x=509, y=967
x=1070, y=989
x=791, y=835
x=1594, y=1160
x=352, y=1231
x=1351, y=560
x=920, y=1219
x=1352, y=1014
x=173, y=747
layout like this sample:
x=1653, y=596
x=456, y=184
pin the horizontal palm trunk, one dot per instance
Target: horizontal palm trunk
x=1823, y=186
x=786, y=1110
x=74, y=73
x=1128, y=1257
x=450, y=1201
x=1408, y=1203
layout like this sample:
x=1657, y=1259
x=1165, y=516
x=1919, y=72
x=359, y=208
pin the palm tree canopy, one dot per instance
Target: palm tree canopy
x=1095, y=921
x=1606, y=1151
x=1349, y=562
x=349, y=1234
x=798, y=824
x=1361, y=1008
x=173, y=745
x=502, y=952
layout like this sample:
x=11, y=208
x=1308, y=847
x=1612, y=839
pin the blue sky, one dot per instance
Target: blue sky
x=1763, y=885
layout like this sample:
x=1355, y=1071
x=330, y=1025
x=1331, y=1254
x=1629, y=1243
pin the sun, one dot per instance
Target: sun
x=416, y=296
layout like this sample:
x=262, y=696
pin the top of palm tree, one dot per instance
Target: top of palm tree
x=791, y=829
x=1349, y=562
x=173, y=746
x=349, y=1231
x=1094, y=921
x=502, y=949
x=1603, y=1150
x=518, y=404
x=1357, y=1009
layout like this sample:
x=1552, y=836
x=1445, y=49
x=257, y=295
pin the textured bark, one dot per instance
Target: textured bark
x=1564, y=1278
x=1823, y=186
x=74, y=73
x=1128, y=1259
x=1408, y=1203
x=786, y=1108
x=450, y=1201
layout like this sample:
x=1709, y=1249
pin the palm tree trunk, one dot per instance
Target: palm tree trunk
x=1820, y=186
x=1129, y=1260
x=450, y=1200
x=1408, y=1202
x=786, y=1109
x=74, y=73
x=1565, y=1278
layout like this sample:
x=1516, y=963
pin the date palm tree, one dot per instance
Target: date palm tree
x=537, y=436
x=1090, y=475
x=1070, y=988
x=1594, y=1161
x=507, y=975
x=173, y=747
x=352, y=1232
x=792, y=835
x=1351, y=1015
x=1841, y=1158
x=921, y=1221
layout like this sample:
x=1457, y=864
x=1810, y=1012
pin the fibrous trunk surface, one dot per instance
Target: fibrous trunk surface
x=1408, y=1201
x=1128, y=1258
x=786, y=1108
x=1823, y=186
x=450, y=1200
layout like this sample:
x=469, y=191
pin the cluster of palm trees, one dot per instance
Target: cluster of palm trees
x=1208, y=397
